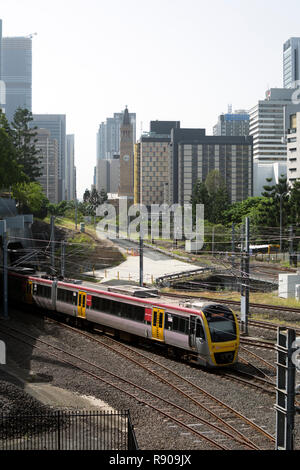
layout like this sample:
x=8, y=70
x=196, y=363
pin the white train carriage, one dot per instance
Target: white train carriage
x=205, y=333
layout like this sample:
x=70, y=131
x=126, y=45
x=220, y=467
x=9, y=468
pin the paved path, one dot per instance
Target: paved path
x=155, y=264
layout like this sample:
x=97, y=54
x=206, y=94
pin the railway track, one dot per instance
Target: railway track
x=224, y=435
x=236, y=303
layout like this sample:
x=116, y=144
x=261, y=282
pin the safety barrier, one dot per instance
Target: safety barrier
x=68, y=430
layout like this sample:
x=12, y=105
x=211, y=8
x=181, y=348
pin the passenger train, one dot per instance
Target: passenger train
x=203, y=333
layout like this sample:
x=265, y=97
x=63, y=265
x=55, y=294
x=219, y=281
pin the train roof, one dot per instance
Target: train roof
x=144, y=295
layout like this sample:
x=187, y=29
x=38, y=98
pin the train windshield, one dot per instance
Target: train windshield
x=221, y=323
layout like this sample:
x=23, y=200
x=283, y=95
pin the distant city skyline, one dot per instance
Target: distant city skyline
x=165, y=63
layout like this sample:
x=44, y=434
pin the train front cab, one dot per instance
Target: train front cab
x=222, y=333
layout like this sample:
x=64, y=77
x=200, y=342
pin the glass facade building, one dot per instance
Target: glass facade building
x=16, y=70
x=56, y=124
x=291, y=58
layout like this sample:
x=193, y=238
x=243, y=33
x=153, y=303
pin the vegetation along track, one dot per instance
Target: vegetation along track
x=224, y=435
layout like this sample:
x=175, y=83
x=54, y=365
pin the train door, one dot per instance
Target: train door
x=197, y=335
x=158, y=315
x=81, y=304
x=28, y=292
x=192, y=336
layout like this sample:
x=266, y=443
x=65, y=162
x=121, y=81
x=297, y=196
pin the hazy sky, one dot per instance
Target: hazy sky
x=166, y=59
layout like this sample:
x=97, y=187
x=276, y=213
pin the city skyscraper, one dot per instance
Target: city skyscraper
x=193, y=155
x=2, y=84
x=0, y=49
x=151, y=163
x=48, y=149
x=268, y=127
x=16, y=66
x=108, y=136
x=291, y=62
x=236, y=123
x=56, y=124
x=70, y=189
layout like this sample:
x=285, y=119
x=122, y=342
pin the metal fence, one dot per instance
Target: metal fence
x=68, y=430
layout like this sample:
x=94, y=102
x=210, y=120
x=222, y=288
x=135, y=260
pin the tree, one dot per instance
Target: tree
x=218, y=196
x=103, y=196
x=86, y=196
x=213, y=195
x=24, y=139
x=30, y=199
x=278, y=195
x=294, y=202
x=237, y=212
x=94, y=201
x=10, y=171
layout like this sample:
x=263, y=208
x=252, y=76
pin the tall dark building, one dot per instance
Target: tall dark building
x=193, y=155
x=234, y=124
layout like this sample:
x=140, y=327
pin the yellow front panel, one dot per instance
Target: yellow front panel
x=158, y=317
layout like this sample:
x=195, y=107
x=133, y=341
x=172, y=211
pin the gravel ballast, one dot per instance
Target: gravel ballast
x=152, y=430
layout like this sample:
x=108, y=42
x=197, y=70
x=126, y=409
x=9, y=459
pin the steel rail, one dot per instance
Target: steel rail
x=234, y=302
x=170, y=371
x=179, y=422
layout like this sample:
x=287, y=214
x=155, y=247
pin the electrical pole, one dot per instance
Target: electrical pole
x=245, y=265
x=63, y=249
x=75, y=211
x=233, y=244
x=3, y=232
x=141, y=260
x=52, y=238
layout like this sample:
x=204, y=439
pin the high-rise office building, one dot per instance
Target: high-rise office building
x=17, y=73
x=268, y=125
x=234, y=124
x=0, y=49
x=108, y=175
x=56, y=124
x=2, y=84
x=70, y=189
x=193, y=155
x=108, y=136
x=151, y=163
x=291, y=62
x=48, y=153
x=293, y=149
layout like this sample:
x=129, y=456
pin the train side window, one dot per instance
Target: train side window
x=180, y=324
x=160, y=319
x=168, y=321
x=183, y=325
x=175, y=323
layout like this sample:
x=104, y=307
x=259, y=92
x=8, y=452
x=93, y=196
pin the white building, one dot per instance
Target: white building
x=293, y=149
x=70, y=183
x=269, y=121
